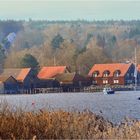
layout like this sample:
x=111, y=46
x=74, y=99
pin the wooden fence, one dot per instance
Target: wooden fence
x=90, y=89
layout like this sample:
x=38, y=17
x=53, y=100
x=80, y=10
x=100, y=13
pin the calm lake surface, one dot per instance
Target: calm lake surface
x=112, y=107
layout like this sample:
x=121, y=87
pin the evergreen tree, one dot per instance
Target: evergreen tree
x=29, y=61
x=57, y=40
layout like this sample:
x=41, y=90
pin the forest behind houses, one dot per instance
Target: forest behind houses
x=77, y=44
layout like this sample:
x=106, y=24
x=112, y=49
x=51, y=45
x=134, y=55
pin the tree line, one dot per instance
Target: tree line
x=77, y=44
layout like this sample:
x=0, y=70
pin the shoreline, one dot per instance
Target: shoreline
x=113, y=107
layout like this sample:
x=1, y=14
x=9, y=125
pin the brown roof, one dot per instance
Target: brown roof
x=123, y=67
x=4, y=79
x=18, y=74
x=66, y=77
x=51, y=72
x=69, y=78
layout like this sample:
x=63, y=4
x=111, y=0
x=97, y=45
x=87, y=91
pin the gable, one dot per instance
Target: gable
x=10, y=79
x=131, y=69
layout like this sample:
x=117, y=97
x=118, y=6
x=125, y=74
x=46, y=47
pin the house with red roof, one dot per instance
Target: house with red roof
x=113, y=74
x=47, y=76
x=25, y=77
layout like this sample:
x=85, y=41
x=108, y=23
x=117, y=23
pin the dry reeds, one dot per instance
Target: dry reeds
x=63, y=125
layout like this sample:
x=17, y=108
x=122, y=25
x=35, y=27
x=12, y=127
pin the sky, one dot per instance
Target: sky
x=70, y=9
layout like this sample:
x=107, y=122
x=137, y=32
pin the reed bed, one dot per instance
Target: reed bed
x=60, y=124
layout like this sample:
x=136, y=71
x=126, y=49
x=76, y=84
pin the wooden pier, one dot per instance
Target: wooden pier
x=90, y=89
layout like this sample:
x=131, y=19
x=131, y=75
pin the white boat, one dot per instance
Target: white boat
x=108, y=91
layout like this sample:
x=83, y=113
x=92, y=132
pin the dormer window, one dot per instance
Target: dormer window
x=95, y=74
x=106, y=73
x=117, y=73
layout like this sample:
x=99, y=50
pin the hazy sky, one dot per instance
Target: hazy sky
x=70, y=9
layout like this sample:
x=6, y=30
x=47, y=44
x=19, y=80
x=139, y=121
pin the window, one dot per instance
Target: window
x=106, y=73
x=96, y=73
x=116, y=81
x=117, y=73
x=94, y=82
x=127, y=74
x=105, y=81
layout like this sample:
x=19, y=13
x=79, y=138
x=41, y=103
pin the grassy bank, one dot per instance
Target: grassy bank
x=62, y=125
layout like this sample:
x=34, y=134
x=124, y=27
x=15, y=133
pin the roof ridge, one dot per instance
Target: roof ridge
x=53, y=66
x=16, y=68
x=112, y=63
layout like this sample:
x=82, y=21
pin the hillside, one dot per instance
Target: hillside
x=82, y=43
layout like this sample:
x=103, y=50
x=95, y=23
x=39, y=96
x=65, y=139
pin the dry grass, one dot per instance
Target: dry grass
x=62, y=125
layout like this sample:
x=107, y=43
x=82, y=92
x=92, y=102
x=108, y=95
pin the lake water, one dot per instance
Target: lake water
x=112, y=107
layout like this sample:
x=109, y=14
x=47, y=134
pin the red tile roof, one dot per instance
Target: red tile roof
x=51, y=72
x=123, y=67
x=23, y=73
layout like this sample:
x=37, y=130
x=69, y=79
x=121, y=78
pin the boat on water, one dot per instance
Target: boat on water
x=108, y=91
